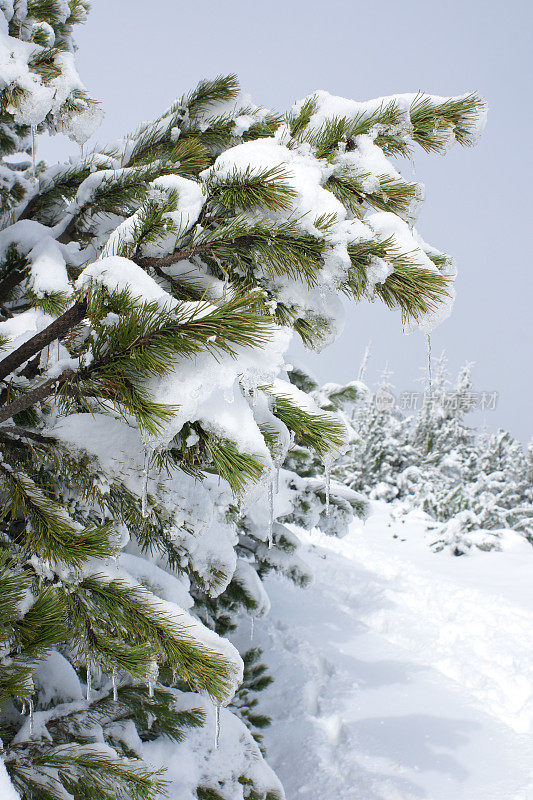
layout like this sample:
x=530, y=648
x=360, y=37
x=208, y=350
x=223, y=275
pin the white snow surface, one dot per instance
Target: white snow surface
x=7, y=791
x=57, y=681
x=196, y=759
x=210, y=542
x=208, y=389
x=401, y=674
x=120, y=274
x=48, y=268
x=43, y=99
x=304, y=174
x=330, y=106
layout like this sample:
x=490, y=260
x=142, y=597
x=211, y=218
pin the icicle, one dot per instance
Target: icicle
x=251, y=629
x=327, y=475
x=114, y=684
x=429, y=363
x=144, y=495
x=362, y=368
x=150, y=687
x=277, y=480
x=270, y=515
x=225, y=288
x=23, y=711
x=89, y=684
x=30, y=711
x=217, y=726
x=33, y=149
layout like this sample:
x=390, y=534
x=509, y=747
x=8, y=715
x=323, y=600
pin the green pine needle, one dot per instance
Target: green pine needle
x=251, y=189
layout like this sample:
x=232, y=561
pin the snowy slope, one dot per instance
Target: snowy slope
x=401, y=674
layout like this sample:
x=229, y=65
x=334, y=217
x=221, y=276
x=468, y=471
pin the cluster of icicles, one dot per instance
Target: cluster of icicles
x=28, y=706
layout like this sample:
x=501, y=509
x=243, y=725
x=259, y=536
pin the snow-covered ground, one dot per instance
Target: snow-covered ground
x=401, y=674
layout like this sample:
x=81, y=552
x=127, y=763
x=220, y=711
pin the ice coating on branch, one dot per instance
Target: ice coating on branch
x=270, y=529
x=89, y=684
x=145, y=473
x=217, y=726
x=84, y=124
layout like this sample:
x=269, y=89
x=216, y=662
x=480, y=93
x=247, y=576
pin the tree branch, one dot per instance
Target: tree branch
x=35, y=396
x=172, y=258
x=11, y=280
x=19, y=431
x=73, y=316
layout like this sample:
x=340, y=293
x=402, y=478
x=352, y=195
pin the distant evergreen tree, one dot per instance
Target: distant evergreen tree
x=471, y=485
x=445, y=445
x=381, y=450
x=502, y=491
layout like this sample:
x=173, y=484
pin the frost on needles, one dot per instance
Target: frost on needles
x=149, y=291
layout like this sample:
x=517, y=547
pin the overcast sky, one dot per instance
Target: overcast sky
x=136, y=57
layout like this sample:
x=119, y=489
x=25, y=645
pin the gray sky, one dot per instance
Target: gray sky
x=137, y=57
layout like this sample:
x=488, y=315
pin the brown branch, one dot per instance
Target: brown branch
x=35, y=396
x=31, y=369
x=172, y=258
x=69, y=231
x=72, y=317
x=11, y=280
x=19, y=431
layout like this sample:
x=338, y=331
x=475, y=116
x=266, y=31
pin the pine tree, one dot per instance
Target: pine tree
x=472, y=487
x=446, y=446
x=376, y=453
x=148, y=293
x=502, y=491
